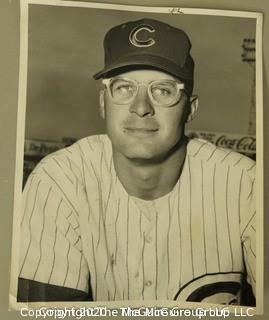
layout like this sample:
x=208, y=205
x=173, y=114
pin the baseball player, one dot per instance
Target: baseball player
x=143, y=212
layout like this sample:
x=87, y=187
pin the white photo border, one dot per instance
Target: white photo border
x=21, y=115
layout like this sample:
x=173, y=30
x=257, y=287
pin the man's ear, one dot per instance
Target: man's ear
x=102, y=104
x=193, y=107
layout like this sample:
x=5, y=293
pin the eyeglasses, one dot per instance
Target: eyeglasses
x=163, y=93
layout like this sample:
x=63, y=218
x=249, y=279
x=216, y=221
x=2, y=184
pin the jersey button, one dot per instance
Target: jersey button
x=148, y=239
x=148, y=283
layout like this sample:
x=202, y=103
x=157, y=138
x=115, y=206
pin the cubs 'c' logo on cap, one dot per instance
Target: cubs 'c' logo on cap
x=138, y=41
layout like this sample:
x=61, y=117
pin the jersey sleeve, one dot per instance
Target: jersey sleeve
x=248, y=225
x=50, y=240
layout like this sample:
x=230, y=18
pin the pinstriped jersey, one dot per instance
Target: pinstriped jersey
x=80, y=228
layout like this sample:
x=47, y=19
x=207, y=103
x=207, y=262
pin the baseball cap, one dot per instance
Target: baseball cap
x=148, y=43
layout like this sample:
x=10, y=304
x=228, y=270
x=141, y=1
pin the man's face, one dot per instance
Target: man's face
x=139, y=129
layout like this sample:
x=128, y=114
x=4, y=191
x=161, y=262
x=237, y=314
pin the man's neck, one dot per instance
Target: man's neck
x=150, y=180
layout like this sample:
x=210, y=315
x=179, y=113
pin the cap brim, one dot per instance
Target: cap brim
x=147, y=61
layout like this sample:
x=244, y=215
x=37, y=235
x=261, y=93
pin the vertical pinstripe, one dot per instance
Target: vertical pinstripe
x=82, y=166
x=127, y=248
x=250, y=220
x=180, y=234
x=29, y=227
x=57, y=184
x=115, y=291
x=43, y=224
x=89, y=212
x=88, y=141
x=79, y=273
x=203, y=213
x=29, y=183
x=76, y=242
x=251, y=190
x=101, y=165
x=168, y=246
x=237, y=162
x=95, y=269
x=116, y=233
x=227, y=217
x=200, y=148
x=211, y=155
x=67, y=264
x=70, y=165
x=111, y=162
x=227, y=155
x=215, y=213
x=77, y=187
x=190, y=199
x=250, y=270
x=156, y=251
x=55, y=239
x=100, y=201
x=239, y=195
x=251, y=249
x=62, y=169
x=143, y=266
x=108, y=198
x=107, y=264
x=140, y=223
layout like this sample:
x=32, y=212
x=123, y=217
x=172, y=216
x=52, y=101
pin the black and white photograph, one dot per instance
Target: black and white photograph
x=139, y=156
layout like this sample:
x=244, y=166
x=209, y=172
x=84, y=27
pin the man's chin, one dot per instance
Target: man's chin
x=145, y=155
x=141, y=156
x=136, y=152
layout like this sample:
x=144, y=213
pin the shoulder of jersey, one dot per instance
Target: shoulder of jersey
x=90, y=147
x=207, y=151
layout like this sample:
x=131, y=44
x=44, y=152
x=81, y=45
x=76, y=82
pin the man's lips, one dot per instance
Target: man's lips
x=140, y=130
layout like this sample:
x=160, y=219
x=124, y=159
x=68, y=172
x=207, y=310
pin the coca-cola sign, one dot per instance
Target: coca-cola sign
x=245, y=144
x=240, y=143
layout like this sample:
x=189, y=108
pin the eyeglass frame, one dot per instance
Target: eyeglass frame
x=179, y=85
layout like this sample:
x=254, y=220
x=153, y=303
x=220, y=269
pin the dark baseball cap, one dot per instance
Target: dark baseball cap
x=148, y=43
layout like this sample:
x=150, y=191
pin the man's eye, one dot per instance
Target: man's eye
x=124, y=88
x=158, y=91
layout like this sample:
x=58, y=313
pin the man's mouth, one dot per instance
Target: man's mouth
x=140, y=130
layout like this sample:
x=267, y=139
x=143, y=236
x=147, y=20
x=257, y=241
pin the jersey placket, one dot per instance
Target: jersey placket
x=146, y=269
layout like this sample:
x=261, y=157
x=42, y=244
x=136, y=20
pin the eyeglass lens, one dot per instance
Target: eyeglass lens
x=160, y=92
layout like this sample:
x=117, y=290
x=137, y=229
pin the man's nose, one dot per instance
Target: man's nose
x=141, y=104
